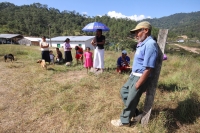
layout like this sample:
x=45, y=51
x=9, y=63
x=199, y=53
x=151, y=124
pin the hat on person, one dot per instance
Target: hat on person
x=124, y=52
x=144, y=24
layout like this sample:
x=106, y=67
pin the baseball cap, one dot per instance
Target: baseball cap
x=124, y=52
x=144, y=24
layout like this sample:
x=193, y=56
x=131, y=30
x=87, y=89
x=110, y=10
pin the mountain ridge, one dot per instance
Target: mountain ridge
x=180, y=23
x=34, y=20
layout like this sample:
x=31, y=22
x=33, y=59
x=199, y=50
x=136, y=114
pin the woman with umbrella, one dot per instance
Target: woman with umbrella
x=98, y=42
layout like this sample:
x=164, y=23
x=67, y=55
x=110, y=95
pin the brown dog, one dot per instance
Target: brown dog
x=42, y=63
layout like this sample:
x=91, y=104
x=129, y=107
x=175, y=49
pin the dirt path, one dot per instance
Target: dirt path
x=190, y=49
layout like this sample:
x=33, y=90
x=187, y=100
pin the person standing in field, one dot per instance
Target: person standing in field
x=88, y=59
x=143, y=64
x=67, y=49
x=98, y=42
x=45, y=50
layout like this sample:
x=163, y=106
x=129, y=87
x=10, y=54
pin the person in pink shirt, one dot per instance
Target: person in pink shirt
x=88, y=59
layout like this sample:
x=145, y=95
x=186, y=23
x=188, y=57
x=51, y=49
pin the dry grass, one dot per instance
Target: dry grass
x=67, y=99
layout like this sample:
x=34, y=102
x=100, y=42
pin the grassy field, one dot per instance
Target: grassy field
x=65, y=99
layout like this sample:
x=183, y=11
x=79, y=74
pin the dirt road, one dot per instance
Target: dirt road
x=190, y=49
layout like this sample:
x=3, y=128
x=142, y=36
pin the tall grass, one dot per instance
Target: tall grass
x=67, y=99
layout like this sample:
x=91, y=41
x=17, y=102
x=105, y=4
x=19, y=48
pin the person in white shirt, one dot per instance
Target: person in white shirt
x=45, y=49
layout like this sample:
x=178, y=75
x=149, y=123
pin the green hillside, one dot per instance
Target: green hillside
x=180, y=23
x=34, y=20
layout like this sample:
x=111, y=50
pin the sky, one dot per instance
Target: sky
x=132, y=9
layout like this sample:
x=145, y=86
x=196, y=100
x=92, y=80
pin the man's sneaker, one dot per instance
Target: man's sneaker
x=118, y=123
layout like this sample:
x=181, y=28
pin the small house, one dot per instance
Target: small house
x=30, y=41
x=181, y=40
x=83, y=41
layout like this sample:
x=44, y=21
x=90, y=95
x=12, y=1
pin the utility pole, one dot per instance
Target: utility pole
x=50, y=33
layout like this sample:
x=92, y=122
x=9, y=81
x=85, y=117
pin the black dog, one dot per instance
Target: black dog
x=9, y=56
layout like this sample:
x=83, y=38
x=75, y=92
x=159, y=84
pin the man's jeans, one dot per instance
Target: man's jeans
x=131, y=97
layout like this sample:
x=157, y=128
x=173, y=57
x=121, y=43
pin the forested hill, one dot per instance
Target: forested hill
x=33, y=20
x=181, y=23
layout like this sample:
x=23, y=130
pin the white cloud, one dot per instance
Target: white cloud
x=85, y=13
x=114, y=14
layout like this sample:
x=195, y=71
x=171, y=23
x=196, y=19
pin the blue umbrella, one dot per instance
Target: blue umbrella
x=92, y=27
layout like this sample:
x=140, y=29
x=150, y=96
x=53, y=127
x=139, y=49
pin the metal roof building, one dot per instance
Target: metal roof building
x=30, y=41
x=83, y=41
x=10, y=38
x=8, y=35
x=33, y=39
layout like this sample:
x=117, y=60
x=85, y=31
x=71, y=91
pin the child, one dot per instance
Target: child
x=59, y=57
x=51, y=56
x=79, y=54
x=88, y=59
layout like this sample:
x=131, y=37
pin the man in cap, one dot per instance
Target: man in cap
x=123, y=62
x=143, y=64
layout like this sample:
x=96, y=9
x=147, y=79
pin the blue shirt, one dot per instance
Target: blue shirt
x=120, y=62
x=145, y=56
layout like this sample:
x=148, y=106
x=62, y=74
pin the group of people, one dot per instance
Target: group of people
x=143, y=64
x=56, y=59
x=98, y=61
x=47, y=55
x=80, y=55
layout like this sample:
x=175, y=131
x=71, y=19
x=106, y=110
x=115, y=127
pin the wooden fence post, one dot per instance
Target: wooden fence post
x=162, y=36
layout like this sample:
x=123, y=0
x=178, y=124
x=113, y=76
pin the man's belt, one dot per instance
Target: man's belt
x=136, y=74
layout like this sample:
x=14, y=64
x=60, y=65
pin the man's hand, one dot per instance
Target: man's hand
x=143, y=78
x=125, y=61
x=137, y=85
